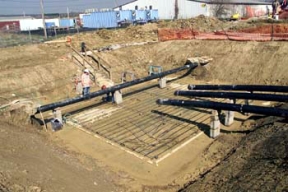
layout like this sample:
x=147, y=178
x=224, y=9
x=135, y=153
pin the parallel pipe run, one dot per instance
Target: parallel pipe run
x=112, y=89
x=233, y=95
x=226, y=106
x=265, y=88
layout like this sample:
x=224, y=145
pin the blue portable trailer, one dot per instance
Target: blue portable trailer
x=139, y=16
x=100, y=20
x=124, y=17
x=65, y=22
x=152, y=15
x=114, y=19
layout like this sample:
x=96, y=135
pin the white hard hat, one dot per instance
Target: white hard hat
x=86, y=70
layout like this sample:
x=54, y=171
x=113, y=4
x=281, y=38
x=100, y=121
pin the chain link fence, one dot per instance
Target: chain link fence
x=10, y=38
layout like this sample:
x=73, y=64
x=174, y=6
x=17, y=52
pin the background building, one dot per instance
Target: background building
x=168, y=9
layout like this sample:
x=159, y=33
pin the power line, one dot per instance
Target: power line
x=43, y=18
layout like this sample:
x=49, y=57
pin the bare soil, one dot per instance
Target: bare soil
x=267, y=29
x=258, y=163
x=69, y=160
x=31, y=162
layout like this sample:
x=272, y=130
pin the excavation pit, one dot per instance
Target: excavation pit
x=45, y=70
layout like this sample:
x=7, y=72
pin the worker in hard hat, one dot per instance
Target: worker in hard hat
x=86, y=82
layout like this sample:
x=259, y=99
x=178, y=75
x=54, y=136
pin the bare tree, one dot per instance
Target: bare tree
x=219, y=9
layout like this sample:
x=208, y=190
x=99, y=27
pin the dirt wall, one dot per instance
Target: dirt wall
x=234, y=62
x=35, y=71
x=258, y=164
x=28, y=71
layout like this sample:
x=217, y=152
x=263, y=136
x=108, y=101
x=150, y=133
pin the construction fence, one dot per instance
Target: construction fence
x=269, y=33
x=15, y=37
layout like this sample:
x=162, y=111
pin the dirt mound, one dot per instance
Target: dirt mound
x=141, y=32
x=146, y=28
x=267, y=29
x=201, y=23
x=148, y=32
x=259, y=164
x=105, y=37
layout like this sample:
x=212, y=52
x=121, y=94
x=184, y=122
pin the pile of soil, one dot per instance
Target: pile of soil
x=105, y=37
x=200, y=23
x=267, y=29
x=259, y=163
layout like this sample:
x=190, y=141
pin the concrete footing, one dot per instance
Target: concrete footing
x=57, y=122
x=162, y=82
x=58, y=114
x=214, y=124
x=118, y=97
x=229, y=116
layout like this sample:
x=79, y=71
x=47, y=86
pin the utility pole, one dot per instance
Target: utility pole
x=68, y=15
x=116, y=3
x=43, y=18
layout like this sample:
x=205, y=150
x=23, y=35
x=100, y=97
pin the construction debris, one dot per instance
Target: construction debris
x=26, y=105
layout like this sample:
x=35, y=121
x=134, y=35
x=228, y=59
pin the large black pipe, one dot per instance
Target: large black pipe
x=226, y=106
x=265, y=88
x=233, y=95
x=113, y=88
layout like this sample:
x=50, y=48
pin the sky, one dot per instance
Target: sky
x=21, y=7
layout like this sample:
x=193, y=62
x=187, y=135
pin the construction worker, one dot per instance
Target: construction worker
x=83, y=47
x=86, y=82
x=108, y=96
